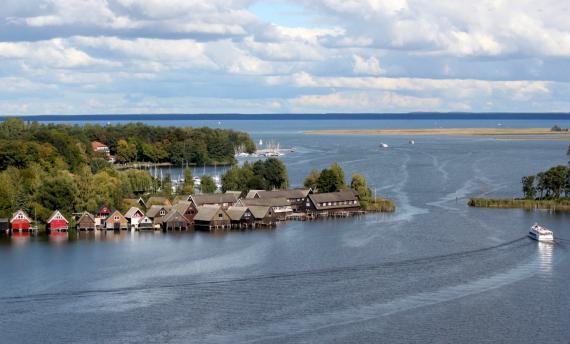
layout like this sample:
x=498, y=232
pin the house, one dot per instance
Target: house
x=101, y=215
x=212, y=217
x=296, y=197
x=134, y=215
x=264, y=216
x=240, y=217
x=156, y=213
x=158, y=200
x=187, y=209
x=224, y=200
x=86, y=222
x=344, y=201
x=146, y=224
x=20, y=221
x=175, y=220
x=116, y=221
x=281, y=206
x=100, y=149
x=4, y=225
x=57, y=222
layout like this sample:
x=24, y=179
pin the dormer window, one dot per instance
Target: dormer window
x=117, y=218
x=162, y=212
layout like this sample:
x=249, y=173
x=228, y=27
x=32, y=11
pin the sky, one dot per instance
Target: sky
x=280, y=56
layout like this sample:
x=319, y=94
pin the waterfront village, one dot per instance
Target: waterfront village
x=229, y=210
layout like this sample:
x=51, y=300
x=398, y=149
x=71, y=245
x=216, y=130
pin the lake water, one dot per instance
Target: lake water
x=435, y=271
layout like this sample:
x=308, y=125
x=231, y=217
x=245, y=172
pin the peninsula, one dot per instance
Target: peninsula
x=492, y=132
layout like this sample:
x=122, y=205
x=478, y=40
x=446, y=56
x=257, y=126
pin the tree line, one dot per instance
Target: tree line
x=551, y=184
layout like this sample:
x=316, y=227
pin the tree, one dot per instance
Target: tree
x=529, y=190
x=360, y=184
x=126, y=152
x=328, y=181
x=99, y=164
x=58, y=193
x=273, y=172
x=556, y=179
x=311, y=180
x=188, y=186
x=207, y=184
x=167, y=185
x=335, y=167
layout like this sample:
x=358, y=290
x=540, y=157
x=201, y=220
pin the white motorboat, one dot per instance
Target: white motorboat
x=539, y=233
x=384, y=145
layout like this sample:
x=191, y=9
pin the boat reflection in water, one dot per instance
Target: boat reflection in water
x=545, y=252
x=58, y=238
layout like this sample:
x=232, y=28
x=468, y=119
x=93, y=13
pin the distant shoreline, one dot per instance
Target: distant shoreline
x=493, y=132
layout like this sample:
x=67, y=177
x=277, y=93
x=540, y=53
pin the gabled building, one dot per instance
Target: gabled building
x=240, y=217
x=211, y=217
x=86, y=222
x=332, y=202
x=146, y=224
x=57, y=222
x=20, y=221
x=156, y=213
x=224, y=200
x=101, y=216
x=296, y=197
x=175, y=220
x=134, y=215
x=100, y=149
x=116, y=221
x=187, y=209
x=264, y=216
x=281, y=206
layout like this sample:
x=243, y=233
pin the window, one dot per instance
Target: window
x=162, y=212
x=116, y=218
x=220, y=215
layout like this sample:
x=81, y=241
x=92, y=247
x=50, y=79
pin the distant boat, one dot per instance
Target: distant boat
x=260, y=142
x=412, y=142
x=384, y=145
x=539, y=233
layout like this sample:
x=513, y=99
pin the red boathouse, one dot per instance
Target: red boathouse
x=57, y=222
x=20, y=221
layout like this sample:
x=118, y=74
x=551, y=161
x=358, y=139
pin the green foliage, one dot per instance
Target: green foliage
x=262, y=175
x=207, y=184
x=335, y=167
x=551, y=184
x=126, y=152
x=529, y=189
x=311, y=180
x=328, y=181
x=188, y=186
x=360, y=184
x=58, y=193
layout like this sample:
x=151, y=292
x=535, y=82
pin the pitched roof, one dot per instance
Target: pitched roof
x=252, y=193
x=20, y=212
x=104, y=210
x=236, y=213
x=54, y=214
x=291, y=193
x=258, y=211
x=174, y=215
x=132, y=212
x=96, y=144
x=154, y=210
x=89, y=215
x=268, y=202
x=334, y=197
x=206, y=213
x=237, y=193
x=182, y=206
x=215, y=198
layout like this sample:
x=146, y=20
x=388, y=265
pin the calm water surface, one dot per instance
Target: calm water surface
x=436, y=271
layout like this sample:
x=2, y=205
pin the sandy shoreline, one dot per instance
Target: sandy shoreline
x=446, y=131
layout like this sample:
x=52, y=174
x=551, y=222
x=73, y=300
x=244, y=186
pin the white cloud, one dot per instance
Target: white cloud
x=370, y=66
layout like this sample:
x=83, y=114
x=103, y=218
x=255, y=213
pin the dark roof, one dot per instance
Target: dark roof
x=182, y=206
x=206, y=213
x=338, y=197
x=216, y=198
x=154, y=210
x=4, y=220
x=291, y=193
x=174, y=216
x=89, y=215
x=259, y=212
x=268, y=202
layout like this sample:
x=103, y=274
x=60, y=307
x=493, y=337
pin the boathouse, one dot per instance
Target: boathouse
x=332, y=203
x=224, y=200
x=4, y=225
x=134, y=215
x=187, y=209
x=101, y=216
x=264, y=216
x=240, y=217
x=57, y=222
x=295, y=197
x=175, y=220
x=86, y=222
x=116, y=221
x=20, y=221
x=281, y=205
x=146, y=224
x=211, y=218
x=156, y=213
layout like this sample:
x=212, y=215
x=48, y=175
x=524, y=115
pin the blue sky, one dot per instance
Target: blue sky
x=279, y=56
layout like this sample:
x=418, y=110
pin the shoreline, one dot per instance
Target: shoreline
x=492, y=132
x=517, y=203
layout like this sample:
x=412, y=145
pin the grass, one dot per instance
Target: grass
x=379, y=205
x=529, y=204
